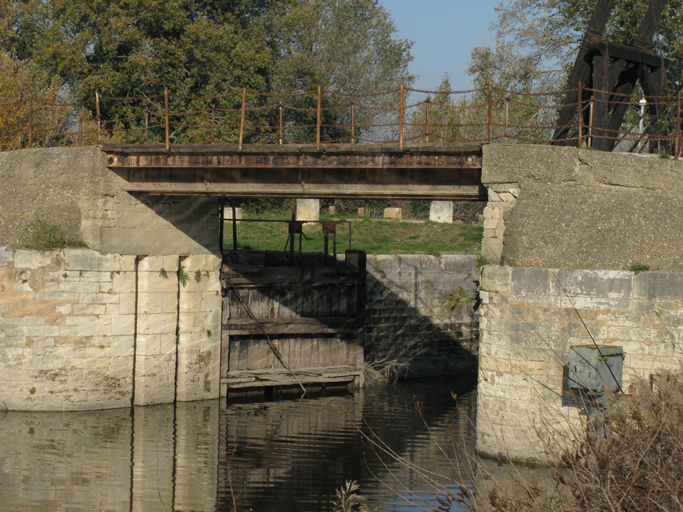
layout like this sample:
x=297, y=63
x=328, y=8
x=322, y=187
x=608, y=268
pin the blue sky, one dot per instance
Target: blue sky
x=444, y=32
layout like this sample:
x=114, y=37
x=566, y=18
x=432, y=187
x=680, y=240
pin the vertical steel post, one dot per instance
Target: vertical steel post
x=580, y=116
x=30, y=121
x=281, y=123
x=318, y=121
x=242, y=114
x=213, y=123
x=507, y=118
x=490, y=113
x=428, y=103
x=99, y=119
x=19, y=142
x=167, y=123
x=234, y=226
x=80, y=131
x=353, y=124
x=591, y=109
x=221, y=220
x=400, y=120
x=678, y=127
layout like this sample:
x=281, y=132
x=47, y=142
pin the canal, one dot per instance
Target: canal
x=403, y=444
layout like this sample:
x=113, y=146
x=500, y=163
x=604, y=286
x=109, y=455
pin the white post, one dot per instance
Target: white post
x=641, y=123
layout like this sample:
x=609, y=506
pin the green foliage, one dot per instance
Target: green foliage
x=456, y=299
x=163, y=273
x=198, y=276
x=475, y=235
x=43, y=235
x=419, y=209
x=198, y=49
x=183, y=278
x=639, y=267
x=373, y=236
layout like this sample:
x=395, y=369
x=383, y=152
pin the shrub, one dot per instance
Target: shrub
x=629, y=458
x=43, y=235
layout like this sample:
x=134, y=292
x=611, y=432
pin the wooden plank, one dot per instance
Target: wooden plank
x=235, y=353
x=246, y=282
x=266, y=322
x=307, y=297
x=288, y=330
x=258, y=354
x=295, y=353
x=282, y=377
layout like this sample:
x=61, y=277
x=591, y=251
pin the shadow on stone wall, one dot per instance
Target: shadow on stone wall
x=410, y=329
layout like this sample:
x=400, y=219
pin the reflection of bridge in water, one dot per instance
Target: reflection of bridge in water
x=284, y=456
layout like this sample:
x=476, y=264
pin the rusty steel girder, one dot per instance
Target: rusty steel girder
x=337, y=171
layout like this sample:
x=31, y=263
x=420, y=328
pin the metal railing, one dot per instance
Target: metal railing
x=325, y=116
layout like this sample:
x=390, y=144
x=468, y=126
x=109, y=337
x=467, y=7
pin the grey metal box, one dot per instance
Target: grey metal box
x=596, y=368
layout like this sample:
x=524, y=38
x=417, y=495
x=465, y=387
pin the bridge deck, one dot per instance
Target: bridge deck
x=379, y=171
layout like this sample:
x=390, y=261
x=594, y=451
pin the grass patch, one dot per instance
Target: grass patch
x=43, y=235
x=373, y=236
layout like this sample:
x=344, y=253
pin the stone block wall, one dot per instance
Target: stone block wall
x=66, y=330
x=405, y=322
x=199, y=321
x=84, y=330
x=562, y=207
x=529, y=319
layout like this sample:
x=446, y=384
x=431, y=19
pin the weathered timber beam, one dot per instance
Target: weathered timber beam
x=581, y=73
x=627, y=53
x=261, y=378
x=649, y=25
x=297, y=325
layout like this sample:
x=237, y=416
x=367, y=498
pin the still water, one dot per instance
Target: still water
x=288, y=455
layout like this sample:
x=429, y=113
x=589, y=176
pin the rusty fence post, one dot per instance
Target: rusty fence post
x=353, y=124
x=281, y=125
x=678, y=127
x=400, y=117
x=146, y=124
x=213, y=123
x=318, y=120
x=427, y=104
x=580, y=116
x=243, y=112
x=507, y=118
x=490, y=114
x=30, y=121
x=99, y=119
x=167, y=123
x=591, y=109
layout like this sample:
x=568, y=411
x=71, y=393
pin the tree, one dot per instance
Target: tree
x=26, y=92
x=536, y=45
x=345, y=46
x=205, y=48
x=547, y=33
x=136, y=48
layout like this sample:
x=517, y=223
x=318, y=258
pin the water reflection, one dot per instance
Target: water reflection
x=275, y=456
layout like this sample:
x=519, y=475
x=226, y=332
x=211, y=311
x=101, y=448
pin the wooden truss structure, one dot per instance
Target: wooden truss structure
x=612, y=70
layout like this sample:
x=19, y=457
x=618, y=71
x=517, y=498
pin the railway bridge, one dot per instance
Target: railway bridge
x=344, y=171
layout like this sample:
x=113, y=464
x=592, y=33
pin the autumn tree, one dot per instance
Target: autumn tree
x=206, y=48
x=344, y=46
